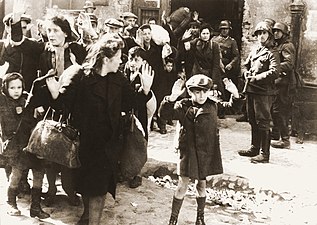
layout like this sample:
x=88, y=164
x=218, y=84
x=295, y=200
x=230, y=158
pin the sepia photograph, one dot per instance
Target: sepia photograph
x=158, y=112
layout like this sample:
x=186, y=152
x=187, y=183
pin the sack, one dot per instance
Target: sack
x=160, y=36
x=56, y=142
x=134, y=153
x=197, y=69
x=179, y=20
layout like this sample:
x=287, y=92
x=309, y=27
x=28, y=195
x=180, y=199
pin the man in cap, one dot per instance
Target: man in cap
x=93, y=20
x=18, y=62
x=113, y=26
x=89, y=7
x=285, y=84
x=130, y=25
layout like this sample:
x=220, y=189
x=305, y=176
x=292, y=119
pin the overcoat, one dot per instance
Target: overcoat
x=46, y=59
x=97, y=104
x=199, y=148
x=287, y=53
x=10, y=119
x=263, y=62
x=203, y=58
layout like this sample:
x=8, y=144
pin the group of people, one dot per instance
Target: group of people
x=123, y=67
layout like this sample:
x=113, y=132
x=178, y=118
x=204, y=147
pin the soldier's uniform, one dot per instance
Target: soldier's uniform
x=229, y=51
x=229, y=55
x=263, y=65
x=285, y=84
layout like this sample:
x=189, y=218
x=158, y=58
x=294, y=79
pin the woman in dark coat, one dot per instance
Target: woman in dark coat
x=57, y=54
x=98, y=94
x=202, y=56
x=198, y=141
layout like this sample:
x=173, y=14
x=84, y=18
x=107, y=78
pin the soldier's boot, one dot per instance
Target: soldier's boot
x=176, y=206
x=201, y=201
x=12, y=202
x=283, y=143
x=255, y=144
x=36, y=210
x=285, y=134
x=264, y=155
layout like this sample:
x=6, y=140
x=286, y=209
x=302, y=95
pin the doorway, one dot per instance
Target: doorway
x=213, y=11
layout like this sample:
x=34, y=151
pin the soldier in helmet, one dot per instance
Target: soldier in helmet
x=285, y=85
x=260, y=70
x=229, y=55
x=89, y=7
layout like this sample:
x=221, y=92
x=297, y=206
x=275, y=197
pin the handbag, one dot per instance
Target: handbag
x=134, y=153
x=55, y=141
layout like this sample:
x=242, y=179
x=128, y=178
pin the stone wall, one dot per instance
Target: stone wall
x=308, y=54
x=257, y=10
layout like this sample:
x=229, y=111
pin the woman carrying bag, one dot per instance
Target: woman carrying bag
x=97, y=94
x=57, y=54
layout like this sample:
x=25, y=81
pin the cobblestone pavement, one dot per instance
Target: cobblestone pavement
x=282, y=192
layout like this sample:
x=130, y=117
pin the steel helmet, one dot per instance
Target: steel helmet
x=89, y=4
x=282, y=27
x=263, y=26
x=225, y=24
x=270, y=21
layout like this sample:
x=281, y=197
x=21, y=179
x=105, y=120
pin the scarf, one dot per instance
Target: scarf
x=58, y=57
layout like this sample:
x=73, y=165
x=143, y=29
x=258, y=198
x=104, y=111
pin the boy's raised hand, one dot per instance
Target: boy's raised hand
x=146, y=76
x=177, y=89
x=231, y=87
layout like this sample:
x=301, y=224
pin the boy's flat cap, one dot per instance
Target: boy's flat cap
x=199, y=81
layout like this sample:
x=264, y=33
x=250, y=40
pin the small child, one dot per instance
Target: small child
x=11, y=107
x=144, y=112
x=198, y=141
x=136, y=60
x=13, y=127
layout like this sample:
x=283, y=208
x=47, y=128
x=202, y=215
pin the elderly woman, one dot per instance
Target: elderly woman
x=260, y=71
x=97, y=94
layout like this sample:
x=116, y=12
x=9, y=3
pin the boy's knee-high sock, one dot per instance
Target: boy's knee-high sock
x=176, y=206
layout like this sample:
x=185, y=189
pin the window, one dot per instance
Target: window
x=148, y=13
